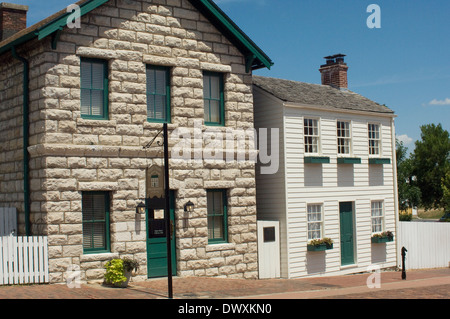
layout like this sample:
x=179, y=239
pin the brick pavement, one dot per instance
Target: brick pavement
x=431, y=283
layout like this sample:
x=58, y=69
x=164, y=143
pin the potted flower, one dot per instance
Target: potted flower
x=320, y=244
x=383, y=237
x=119, y=271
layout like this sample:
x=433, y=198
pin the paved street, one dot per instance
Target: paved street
x=423, y=284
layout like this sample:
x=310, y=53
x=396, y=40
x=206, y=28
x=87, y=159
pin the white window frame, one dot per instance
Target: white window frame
x=375, y=207
x=317, y=136
x=320, y=221
x=348, y=138
x=374, y=139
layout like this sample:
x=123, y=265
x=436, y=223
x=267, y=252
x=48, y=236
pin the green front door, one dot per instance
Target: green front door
x=157, y=241
x=347, y=243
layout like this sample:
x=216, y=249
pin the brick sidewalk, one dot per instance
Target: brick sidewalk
x=433, y=281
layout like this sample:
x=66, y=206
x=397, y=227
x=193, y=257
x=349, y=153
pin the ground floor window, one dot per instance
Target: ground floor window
x=377, y=216
x=315, y=221
x=217, y=216
x=95, y=210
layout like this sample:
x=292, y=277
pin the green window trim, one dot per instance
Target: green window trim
x=379, y=161
x=152, y=94
x=207, y=98
x=104, y=89
x=213, y=214
x=87, y=222
x=317, y=160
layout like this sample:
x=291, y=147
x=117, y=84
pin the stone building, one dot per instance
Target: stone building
x=83, y=92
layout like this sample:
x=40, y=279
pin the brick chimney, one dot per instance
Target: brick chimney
x=334, y=72
x=13, y=18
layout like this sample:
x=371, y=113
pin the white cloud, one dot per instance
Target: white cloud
x=405, y=139
x=440, y=102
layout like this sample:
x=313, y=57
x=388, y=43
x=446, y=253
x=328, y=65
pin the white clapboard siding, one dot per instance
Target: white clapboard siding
x=428, y=244
x=24, y=260
x=329, y=184
x=8, y=221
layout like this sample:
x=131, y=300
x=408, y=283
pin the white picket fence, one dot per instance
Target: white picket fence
x=428, y=244
x=24, y=260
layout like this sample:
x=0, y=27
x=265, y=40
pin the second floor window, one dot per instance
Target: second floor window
x=213, y=97
x=311, y=133
x=158, y=94
x=94, y=89
x=374, y=139
x=343, y=137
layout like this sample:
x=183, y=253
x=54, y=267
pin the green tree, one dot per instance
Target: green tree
x=431, y=163
x=446, y=191
x=408, y=191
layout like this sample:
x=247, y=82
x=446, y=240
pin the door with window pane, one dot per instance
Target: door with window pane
x=95, y=211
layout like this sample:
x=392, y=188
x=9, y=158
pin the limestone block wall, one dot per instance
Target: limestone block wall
x=11, y=129
x=75, y=155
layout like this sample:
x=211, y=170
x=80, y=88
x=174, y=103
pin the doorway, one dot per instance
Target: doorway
x=347, y=233
x=156, y=237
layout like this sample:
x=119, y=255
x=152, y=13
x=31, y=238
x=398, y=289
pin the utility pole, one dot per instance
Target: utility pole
x=167, y=210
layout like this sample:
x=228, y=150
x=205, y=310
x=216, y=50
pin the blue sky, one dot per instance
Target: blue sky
x=405, y=64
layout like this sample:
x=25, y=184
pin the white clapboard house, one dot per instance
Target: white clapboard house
x=336, y=176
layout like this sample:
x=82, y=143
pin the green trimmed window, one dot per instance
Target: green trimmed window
x=217, y=216
x=95, y=211
x=158, y=94
x=213, y=96
x=94, y=89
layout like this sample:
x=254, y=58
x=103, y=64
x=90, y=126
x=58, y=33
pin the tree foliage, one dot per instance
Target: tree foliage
x=431, y=163
x=408, y=191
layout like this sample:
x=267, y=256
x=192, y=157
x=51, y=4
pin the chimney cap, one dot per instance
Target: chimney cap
x=6, y=5
x=339, y=55
x=334, y=59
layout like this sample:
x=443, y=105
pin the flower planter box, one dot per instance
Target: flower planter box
x=320, y=247
x=379, y=240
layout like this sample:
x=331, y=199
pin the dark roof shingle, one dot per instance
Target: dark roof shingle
x=320, y=96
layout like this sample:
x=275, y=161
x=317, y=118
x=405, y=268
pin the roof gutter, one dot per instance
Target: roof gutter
x=26, y=137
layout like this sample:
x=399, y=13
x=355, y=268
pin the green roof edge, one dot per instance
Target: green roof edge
x=255, y=58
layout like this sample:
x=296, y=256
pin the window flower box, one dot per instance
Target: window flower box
x=320, y=244
x=383, y=237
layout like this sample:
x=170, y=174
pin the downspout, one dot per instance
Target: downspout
x=26, y=138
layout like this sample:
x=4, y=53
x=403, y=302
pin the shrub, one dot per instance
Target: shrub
x=115, y=272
